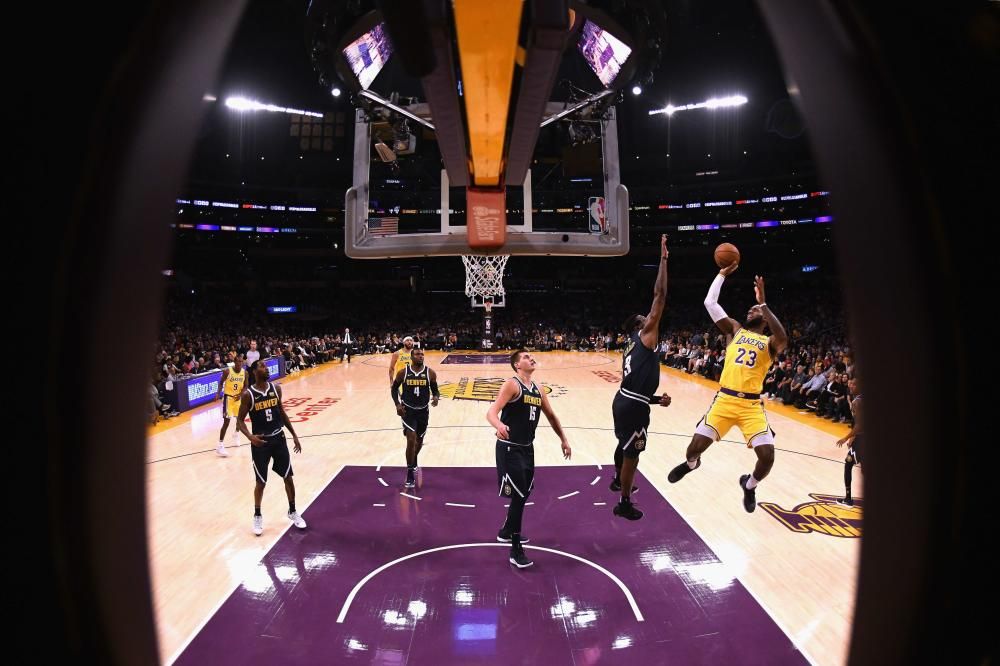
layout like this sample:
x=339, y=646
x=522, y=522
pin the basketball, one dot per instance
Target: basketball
x=726, y=254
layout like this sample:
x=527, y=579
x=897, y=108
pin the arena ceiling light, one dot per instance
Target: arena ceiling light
x=243, y=104
x=714, y=103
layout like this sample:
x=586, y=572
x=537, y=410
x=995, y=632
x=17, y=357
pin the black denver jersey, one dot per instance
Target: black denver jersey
x=264, y=413
x=640, y=371
x=520, y=415
x=416, y=388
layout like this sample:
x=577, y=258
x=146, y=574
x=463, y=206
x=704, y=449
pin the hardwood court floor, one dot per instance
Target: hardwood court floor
x=796, y=555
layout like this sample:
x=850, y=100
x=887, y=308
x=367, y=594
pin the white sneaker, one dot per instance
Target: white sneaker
x=296, y=519
x=221, y=450
x=258, y=525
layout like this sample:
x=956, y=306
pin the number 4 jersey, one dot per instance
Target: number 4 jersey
x=748, y=358
x=265, y=415
x=640, y=371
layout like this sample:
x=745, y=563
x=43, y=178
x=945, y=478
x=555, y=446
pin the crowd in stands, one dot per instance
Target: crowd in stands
x=816, y=372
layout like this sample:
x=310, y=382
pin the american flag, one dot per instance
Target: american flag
x=383, y=226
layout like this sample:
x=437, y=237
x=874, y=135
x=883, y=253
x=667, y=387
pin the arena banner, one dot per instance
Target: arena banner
x=200, y=389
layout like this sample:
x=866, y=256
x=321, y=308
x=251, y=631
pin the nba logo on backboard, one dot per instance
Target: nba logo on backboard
x=598, y=219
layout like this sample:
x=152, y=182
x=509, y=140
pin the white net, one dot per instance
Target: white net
x=484, y=274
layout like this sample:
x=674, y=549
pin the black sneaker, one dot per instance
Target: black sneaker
x=627, y=510
x=517, y=556
x=616, y=486
x=847, y=501
x=410, y=481
x=749, y=496
x=679, y=472
x=505, y=537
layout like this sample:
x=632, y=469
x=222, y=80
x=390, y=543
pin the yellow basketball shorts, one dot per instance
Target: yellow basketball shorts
x=230, y=406
x=747, y=415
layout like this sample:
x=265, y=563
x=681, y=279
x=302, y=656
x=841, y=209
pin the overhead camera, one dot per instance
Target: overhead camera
x=582, y=132
x=393, y=139
x=385, y=153
x=391, y=131
x=404, y=141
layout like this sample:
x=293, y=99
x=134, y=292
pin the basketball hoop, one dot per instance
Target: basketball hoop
x=484, y=276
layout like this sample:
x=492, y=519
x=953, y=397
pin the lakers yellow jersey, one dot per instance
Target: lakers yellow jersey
x=234, y=383
x=748, y=358
x=402, y=360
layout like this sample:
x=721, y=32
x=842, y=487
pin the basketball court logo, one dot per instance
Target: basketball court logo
x=310, y=407
x=610, y=377
x=823, y=516
x=486, y=389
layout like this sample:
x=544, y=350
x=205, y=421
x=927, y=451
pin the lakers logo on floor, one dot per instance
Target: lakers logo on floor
x=824, y=516
x=486, y=389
